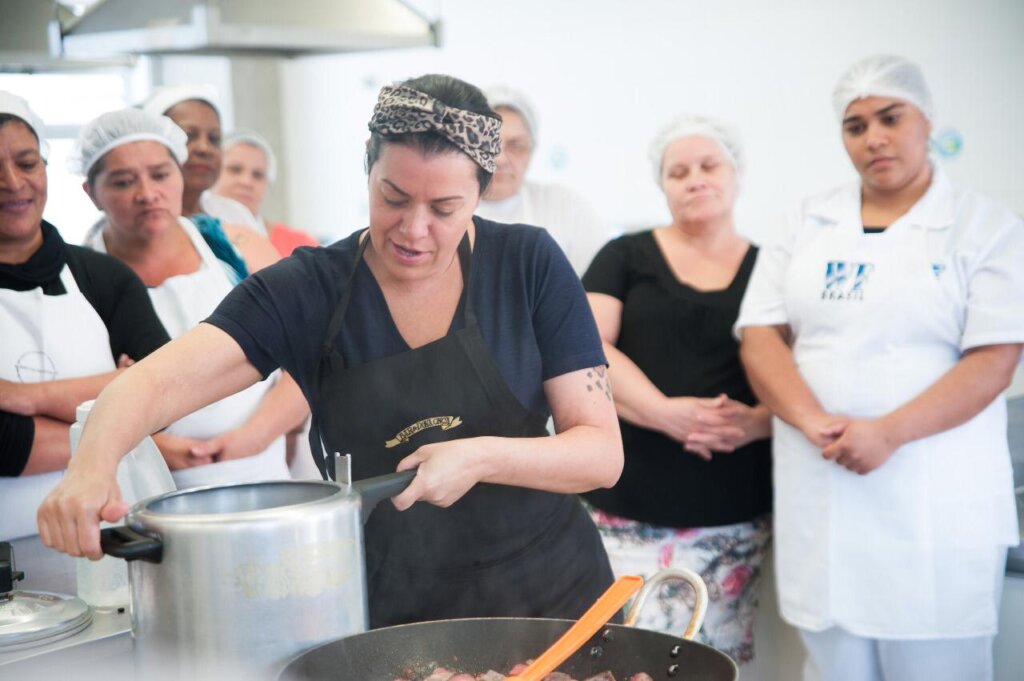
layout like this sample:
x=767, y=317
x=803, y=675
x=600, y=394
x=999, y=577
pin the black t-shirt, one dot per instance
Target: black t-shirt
x=532, y=311
x=122, y=303
x=681, y=338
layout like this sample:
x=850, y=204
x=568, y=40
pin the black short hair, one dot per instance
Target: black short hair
x=6, y=118
x=451, y=92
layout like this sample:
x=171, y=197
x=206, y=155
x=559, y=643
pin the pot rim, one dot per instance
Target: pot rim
x=668, y=638
x=142, y=512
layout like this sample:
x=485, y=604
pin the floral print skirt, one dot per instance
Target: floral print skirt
x=728, y=558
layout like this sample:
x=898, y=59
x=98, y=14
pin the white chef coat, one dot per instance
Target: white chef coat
x=230, y=212
x=909, y=550
x=181, y=302
x=565, y=214
x=45, y=338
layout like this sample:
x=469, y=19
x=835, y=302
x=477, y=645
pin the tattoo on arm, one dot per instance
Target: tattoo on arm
x=601, y=381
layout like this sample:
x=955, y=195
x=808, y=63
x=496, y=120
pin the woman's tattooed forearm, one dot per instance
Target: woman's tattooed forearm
x=601, y=381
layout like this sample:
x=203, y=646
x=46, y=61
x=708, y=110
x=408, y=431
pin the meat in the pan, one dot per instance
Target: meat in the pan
x=442, y=674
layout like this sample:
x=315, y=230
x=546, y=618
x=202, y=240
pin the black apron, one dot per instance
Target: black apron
x=499, y=550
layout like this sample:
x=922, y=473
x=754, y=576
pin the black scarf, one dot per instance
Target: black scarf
x=42, y=269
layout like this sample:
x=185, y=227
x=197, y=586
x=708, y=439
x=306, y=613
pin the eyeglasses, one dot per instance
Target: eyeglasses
x=517, y=147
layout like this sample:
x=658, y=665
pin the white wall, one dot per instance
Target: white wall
x=606, y=74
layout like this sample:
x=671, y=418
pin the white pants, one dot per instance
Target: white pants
x=837, y=655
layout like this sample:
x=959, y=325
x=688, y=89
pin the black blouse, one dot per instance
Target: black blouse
x=681, y=338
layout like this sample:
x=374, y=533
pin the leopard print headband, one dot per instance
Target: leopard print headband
x=400, y=110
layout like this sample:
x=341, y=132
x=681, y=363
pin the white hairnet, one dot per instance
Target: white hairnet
x=14, y=105
x=254, y=139
x=499, y=95
x=689, y=125
x=112, y=129
x=883, y=76
x=161, y=100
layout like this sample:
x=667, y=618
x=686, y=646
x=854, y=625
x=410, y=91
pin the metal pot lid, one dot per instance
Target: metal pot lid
x=29, y=618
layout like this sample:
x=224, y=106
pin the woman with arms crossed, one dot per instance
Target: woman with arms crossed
x=69, y=319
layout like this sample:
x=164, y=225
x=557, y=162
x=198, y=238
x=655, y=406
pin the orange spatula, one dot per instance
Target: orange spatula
x=603, y=609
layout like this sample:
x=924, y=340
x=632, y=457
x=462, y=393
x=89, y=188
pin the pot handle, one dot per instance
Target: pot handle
x=374, y=490
x=673, y=575
x=124, y=542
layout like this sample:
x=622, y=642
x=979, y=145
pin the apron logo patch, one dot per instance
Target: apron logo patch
x=404, y=435
x=846, y=280
x=938, y=269
x=35, y=367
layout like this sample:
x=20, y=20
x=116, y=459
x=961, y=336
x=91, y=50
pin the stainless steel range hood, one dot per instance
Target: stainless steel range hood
x=285, y=28
x=30, y=39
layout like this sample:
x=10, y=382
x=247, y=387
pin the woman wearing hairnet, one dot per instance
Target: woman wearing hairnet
x=69, y=318
x=432, y=340
x=881, y=332
x=512, y=199
x=250, y=168
x=695, y=490
x=194, y=109
x=131, y=160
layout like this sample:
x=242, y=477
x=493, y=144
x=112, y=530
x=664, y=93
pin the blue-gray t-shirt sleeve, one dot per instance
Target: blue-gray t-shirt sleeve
x=277, y=314
x=564, y=326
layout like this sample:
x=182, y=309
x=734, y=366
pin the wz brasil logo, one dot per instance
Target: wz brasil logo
x=846, y=280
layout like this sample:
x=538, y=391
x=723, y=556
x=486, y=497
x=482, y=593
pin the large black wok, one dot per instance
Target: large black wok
x=412, y=651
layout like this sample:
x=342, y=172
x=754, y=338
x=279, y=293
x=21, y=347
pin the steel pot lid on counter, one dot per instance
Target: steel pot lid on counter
x=29, y=618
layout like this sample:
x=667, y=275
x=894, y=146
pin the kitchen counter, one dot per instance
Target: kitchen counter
x=94, y=653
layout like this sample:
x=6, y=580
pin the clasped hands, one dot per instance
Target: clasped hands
x=186, y=452
x=709, y=425
x=859, y=445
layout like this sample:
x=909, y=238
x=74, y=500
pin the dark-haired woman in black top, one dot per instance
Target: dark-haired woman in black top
x=696, y=488
x=432, y=340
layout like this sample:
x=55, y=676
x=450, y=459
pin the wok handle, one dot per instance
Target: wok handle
x=673, y=575
x=374, y=490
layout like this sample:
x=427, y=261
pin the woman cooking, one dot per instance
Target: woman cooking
x=881, y=332
x=69, y=318
x=434, y=340
x=131, y=160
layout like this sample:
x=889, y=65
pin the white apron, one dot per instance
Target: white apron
x=182, y=302
x=45, y=338
x=911, y=550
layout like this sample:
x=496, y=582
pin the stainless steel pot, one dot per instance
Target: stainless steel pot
x=232, y=578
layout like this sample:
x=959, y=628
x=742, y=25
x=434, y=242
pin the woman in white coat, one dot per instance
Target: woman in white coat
x=512, y=199
x=882, y=331
x=131, y=160
x=68, y=319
